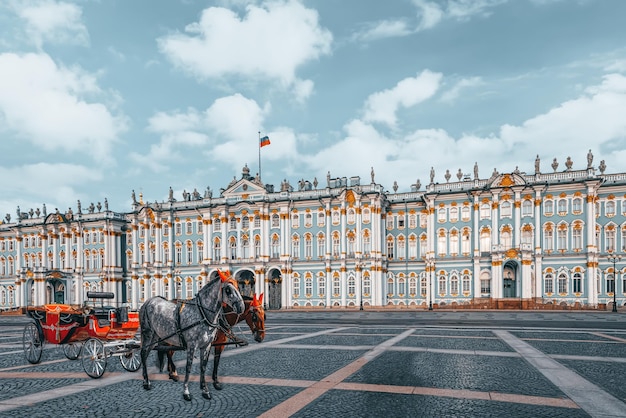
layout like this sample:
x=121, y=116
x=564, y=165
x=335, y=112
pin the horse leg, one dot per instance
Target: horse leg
x=145, y=351
x=217, y=353
x=171, y=366
x=204, y=359
x=186, y=394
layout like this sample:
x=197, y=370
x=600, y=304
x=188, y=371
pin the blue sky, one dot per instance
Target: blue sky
x=101, y=97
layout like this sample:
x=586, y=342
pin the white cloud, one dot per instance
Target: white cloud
x=388, y=28
x=57, y=184
x=429, y=15
x=229, y=126
x=271, y=41
x=382, y=106
x=453, y=93
x=594, y=120
x=52, y=21
x=54, y=107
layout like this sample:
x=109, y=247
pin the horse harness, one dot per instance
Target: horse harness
x=179, y=329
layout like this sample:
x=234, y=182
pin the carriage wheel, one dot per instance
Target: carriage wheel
x=32, y=342
x=131, y=361
x=72, y=350
x=94, y=358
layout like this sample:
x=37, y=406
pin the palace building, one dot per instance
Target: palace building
x=513, y=240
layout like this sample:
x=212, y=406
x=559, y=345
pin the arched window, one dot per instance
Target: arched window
x=351, y=286
x=275, y=247
x=308, y=219
x=485, y=283
x=441, y=215
x=610, y=208
x=423, y=286
x=217, y=249
x=562, y=206
x=275, y=220
x=295, y=220
x=351, y=218
x=485, y=240
x=527, y=207
x=548, y=238
x=442, y=284
x=336, y=244
x=296, y=286
x=412, y=286
x=245, y=222
x=365, y=216
x=548, y=208
x=401, y=286
x=467, y=283
x=233, y=223
x=562, y=284
x=321, y=285
x=465, y=213
x=442, y=242
x=485, y=211
x=257, y=246
x=505, y=238
x=308, y=246
x=367, y=243
x=295, y=246
x=548, y=282
x=454, y=214
x=505, y=209
x=233, y=248
x=245, y=247
x=336, y=286
x=321, y=218
x=577, y=205
x=321, y=245
x=308, y=286
x=454, y=284
x=390, y=246
x=367, y=284
x=577, y=283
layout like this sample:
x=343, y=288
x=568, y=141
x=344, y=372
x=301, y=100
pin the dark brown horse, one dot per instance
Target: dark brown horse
x=253, y=314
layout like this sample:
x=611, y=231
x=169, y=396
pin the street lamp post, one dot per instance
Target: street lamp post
x=614, y=259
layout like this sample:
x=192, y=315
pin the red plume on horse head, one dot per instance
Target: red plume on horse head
x=257, y=301
x=226, y=277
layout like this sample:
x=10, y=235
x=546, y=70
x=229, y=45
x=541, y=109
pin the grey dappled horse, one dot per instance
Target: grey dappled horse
x=189, y=324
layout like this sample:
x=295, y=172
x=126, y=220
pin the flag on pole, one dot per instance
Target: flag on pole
x=265, y=141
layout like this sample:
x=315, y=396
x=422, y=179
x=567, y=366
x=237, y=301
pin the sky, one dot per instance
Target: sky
x=102, y=97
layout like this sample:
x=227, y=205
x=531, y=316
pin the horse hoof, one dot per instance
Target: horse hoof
x=174, y=377
x=186, y=396
x=147, y=386
x=206, y=395
x=218, y=385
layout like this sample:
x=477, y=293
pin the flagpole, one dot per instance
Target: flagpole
x=259, y=142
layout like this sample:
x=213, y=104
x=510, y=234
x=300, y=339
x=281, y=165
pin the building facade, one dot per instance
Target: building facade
x=513, y=240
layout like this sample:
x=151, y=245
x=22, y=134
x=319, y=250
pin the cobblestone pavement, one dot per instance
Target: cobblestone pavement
x=364, y=364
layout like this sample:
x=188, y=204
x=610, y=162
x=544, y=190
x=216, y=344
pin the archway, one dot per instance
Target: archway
x=246, y=281
x=509, y=282
x=275, y=289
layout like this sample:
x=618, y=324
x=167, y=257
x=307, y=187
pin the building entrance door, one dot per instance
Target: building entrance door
x=510, y=288
x=275, y=292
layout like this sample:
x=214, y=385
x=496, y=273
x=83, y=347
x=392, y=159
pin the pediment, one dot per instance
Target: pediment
x=242, y=189
x=508, y=180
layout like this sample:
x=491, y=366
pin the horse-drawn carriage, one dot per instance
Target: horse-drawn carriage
x=92, y=333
